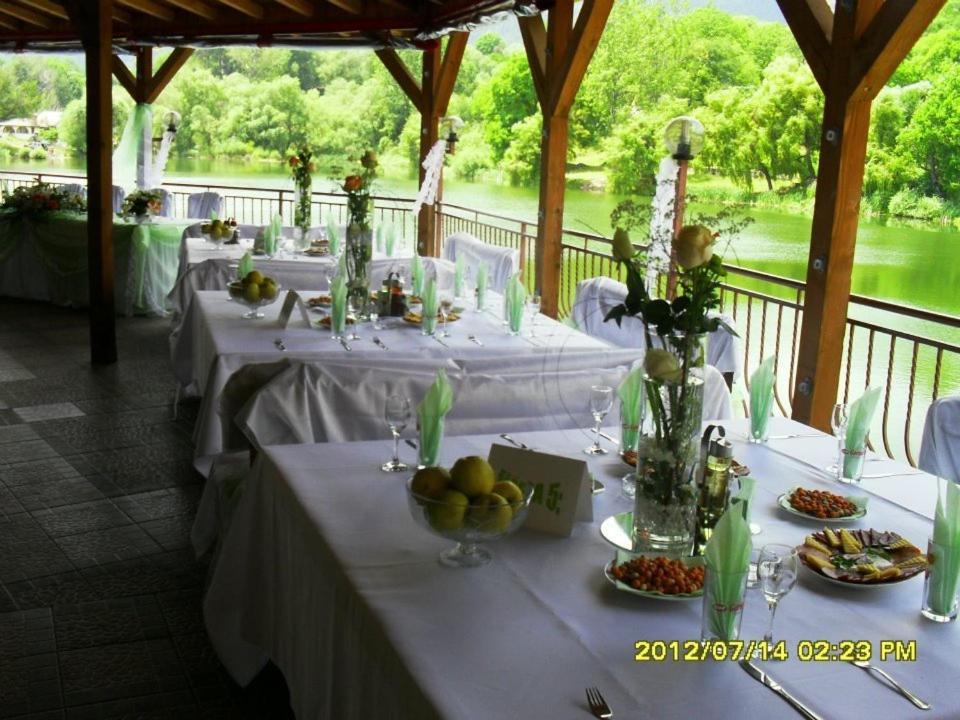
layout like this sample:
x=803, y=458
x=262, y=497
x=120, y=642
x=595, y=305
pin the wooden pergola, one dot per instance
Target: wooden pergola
x=852, y=50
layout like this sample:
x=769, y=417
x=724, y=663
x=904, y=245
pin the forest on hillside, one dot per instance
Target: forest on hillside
x=743, y=78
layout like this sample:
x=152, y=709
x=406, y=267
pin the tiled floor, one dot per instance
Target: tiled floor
x=99, y=593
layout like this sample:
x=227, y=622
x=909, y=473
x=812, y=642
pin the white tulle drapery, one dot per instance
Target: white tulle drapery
x=433, y=165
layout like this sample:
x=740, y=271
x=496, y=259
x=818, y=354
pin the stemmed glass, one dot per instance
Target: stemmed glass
x=356, y=309
x=838, y=424
x=777, y=574
x=601, y=400
x=446, y=305
x=534, y=303
x=397, y=414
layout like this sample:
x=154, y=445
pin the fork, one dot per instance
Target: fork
x=474, y=339
x=865, y=665
x=379, y=342
x=279, y=343
x=598, y=706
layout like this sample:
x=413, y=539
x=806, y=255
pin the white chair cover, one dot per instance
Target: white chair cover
x=166, y=202
x=940, y=448
x=200, y=205
x=597, y=296
x=502, y=262
x=76, y=188
x=119, y=194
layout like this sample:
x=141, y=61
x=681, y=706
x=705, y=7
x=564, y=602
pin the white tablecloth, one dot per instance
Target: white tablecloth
x=215, y=341
x=325, y=572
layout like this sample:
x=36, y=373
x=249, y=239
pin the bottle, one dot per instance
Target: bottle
x=714, y=488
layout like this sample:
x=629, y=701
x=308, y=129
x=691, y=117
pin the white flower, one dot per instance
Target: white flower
x=693, y=246
x=622, y=247
x=662, y=365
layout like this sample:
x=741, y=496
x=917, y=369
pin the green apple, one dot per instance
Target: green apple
x=254, y=276
x=251, y=293
x=510, y=491
x=430, y=482
x=490, y=513
x=448, y=511
x=268, y=289
x=473, y=476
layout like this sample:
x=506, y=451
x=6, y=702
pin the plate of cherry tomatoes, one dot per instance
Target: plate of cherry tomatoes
x=656, y=577
x=822, y=505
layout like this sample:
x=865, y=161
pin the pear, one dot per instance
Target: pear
x=473, y=476
x=510, y=491
x=490, y=513
x=254, y=276
x=448, y=511
x=251, y=293
x=268, y=289
x=430, y=482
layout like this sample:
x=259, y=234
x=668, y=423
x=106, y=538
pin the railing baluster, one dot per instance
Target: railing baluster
x=906, y=424
x=886, y=398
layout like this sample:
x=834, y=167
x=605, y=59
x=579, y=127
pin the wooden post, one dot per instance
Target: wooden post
x=95, y=21
x=866, y=42
x=429, y=133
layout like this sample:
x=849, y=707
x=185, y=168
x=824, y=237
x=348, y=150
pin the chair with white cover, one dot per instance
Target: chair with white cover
x=502, y=262
x=202, y=204
x=166, y=202
x=119, y=195
x=597, y=296
x=940, y=448
x=76, y=189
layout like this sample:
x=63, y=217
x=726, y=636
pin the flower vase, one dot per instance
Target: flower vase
x=302, y=197
x=358, y=250
x=668, y=453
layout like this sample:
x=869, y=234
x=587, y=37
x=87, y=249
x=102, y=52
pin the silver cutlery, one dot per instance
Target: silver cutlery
x=609, y=438
x=763, y=678
x=411, y=443
x=475, y=340
x=437, y=338
x=279, y=343
x=515, y=443
x=791, y=436
x=598, y=706
x=378, y=341
x=346, y=346
x=875, y=476
x=865, y=665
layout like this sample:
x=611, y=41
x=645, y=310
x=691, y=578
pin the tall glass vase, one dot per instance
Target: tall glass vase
x=302, y=197
x=668, y=452
x=358, y=251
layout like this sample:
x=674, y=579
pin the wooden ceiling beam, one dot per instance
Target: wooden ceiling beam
x=247, y=7
x=166, y=73
x=123, y=75
x=7, y=25
x=803, y=21
x=197, y=7
x=402, y=76
x=25, y=14
x=534, y=34
x=886, y=41
x=151, y=8
x=51, y=8
x=823, y=14
x=351, y=6
x=304, y=7
x=580, y=46
x=449, y=68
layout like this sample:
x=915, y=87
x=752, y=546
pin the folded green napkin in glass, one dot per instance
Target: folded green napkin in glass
x=416, y=275
x=859, y=418
x=333, y=235
x=246, y=265
x=430, y=304
x=459, y=270
x=277, y=225
x=338, y=305
x=269, y=240
x=378, y=235
x=761, y=398
x=945, y=568
x=728, y=559
x=390, y=240
x=632, y=406
x=214, y=215
x=430, y=414
x=481, y=287
x=516, y=303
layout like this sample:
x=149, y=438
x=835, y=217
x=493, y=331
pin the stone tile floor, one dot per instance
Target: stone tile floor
x=99, y=592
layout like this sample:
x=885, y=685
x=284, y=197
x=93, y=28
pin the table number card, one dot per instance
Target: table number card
x=561, y=487
x=292, y=300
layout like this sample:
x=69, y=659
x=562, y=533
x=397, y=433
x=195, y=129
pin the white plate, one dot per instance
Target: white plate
x=650, y=594
x=861, y=502
x=857, y=586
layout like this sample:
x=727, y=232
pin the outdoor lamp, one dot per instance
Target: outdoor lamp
x=683, y=137
x=172, y=120
x=452, y=124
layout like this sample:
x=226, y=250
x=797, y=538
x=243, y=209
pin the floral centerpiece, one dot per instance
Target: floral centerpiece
x=42, y=198
x=142, y=204
x=302, y=168
x=669, y=451
x=359, y=243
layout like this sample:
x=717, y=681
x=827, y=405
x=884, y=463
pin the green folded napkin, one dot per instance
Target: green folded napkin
x=277, y=225
x=945, y=567
x=745, y=495
x=214, y=215
x=433, y=408
x=246, y=265
x=632, y=407
x=416, y=275
x=516, y=303
x=379, y=237
x=858, y=425
x=761, y=398
x=338, y=305
x=269, y=240
x=390, y=240
x=481, y=287
x=728, y=561
x=333, y=235
x=459, y=269
x=430, y=304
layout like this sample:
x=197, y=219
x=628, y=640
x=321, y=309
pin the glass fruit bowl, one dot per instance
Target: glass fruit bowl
x=454, y=516
x=266, y=293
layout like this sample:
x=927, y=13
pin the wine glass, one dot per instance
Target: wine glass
x=534, y=303
x=601, y=400
x=397, y=414
x=355, y=308
x=777, y=574
x=446, y=305
x=373, y=312
x=839, y=418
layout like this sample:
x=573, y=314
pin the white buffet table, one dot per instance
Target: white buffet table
x=325, y=572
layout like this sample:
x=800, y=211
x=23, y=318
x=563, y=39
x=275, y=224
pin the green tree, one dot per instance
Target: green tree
x=504, y=101
x=933, y=137
x=490, y=44
x=521, y=161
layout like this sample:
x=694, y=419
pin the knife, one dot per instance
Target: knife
x=345, y=345
x=762, y=677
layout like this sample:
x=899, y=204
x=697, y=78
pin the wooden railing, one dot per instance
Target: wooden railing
x=912, y=354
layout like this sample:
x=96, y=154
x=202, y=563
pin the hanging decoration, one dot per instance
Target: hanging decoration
x=433, y=164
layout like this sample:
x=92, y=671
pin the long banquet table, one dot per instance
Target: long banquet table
x=46, y=259
x=214, y=342
x=324, y=571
